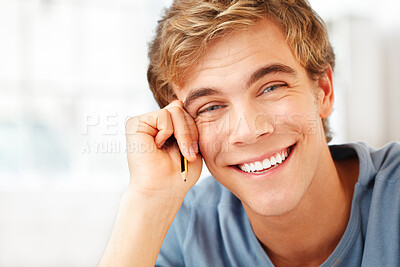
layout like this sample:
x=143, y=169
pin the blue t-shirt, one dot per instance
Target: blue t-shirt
x=212, y=228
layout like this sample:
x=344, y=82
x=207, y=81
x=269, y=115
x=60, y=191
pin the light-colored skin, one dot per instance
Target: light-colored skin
x=298, y=211
x=156, y=189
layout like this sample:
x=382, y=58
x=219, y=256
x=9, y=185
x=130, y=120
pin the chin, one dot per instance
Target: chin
x=272, y=204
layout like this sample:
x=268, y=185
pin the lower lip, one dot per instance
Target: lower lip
x=268, y=172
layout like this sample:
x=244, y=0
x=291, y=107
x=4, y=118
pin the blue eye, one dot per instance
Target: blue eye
x=211, y=108
x=272, y=88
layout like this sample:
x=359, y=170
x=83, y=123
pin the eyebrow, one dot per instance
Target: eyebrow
x=274, y=68
x=257, y=75
x=197, y=93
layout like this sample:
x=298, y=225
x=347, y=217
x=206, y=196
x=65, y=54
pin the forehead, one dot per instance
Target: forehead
x=239, y=54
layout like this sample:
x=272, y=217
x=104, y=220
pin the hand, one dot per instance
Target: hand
x=153, y=144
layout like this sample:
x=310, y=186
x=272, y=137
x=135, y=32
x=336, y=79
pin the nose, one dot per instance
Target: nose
x=248, y=124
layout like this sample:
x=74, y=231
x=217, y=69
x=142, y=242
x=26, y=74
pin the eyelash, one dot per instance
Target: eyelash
x=273, y=87
x=214, y=107
x=210, y=109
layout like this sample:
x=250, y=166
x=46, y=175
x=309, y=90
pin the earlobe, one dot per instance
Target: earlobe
x=325, y=93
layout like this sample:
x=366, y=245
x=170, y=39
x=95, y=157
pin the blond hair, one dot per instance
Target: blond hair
x=188, y=27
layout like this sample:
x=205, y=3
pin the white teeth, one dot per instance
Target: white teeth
x=243, y=167
x=246, y=167
x=266, y=164
x=259, y=166
x=252, y=167
x=278, y=158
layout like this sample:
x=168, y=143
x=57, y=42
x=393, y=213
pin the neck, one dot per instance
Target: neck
x=308, y=234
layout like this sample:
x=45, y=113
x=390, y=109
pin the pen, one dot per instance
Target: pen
x=184, y=168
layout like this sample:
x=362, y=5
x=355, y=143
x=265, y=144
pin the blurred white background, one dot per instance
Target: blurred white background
x=73, y=71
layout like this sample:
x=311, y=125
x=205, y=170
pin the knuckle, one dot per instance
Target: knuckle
x=192, y=127
x=173, y=103
x=163, y=115
x=168, y=131
x=162, y=112
x=195, y=134
x=183, y=135
x=132, y=124
x=184, y=143
x=177, y=110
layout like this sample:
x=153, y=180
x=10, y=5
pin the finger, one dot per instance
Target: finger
x=194, y=132
x=144, y=124
x=182, y=132
x=139, y=136
x=164, y=126
x=154, y=127
x=191, y=124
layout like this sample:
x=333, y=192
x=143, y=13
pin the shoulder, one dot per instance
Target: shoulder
x=379, y=199
x=386, y=161
x=375, y=164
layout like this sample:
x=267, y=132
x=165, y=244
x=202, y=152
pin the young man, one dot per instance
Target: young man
x=247, y=86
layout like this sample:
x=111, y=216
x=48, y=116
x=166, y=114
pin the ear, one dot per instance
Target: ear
x=325, y=93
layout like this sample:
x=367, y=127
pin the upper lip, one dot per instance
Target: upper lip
x=261, y=158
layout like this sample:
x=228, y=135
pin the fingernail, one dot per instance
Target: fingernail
x=191, y=152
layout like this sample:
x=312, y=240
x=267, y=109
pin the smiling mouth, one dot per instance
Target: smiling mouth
x=268, y=163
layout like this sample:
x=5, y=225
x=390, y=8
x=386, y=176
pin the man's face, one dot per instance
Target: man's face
x=253, y=105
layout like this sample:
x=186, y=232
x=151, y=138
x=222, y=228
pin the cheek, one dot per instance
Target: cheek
x=293, y=116
x=210, y=139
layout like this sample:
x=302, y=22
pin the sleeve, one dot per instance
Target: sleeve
x=171, y=251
